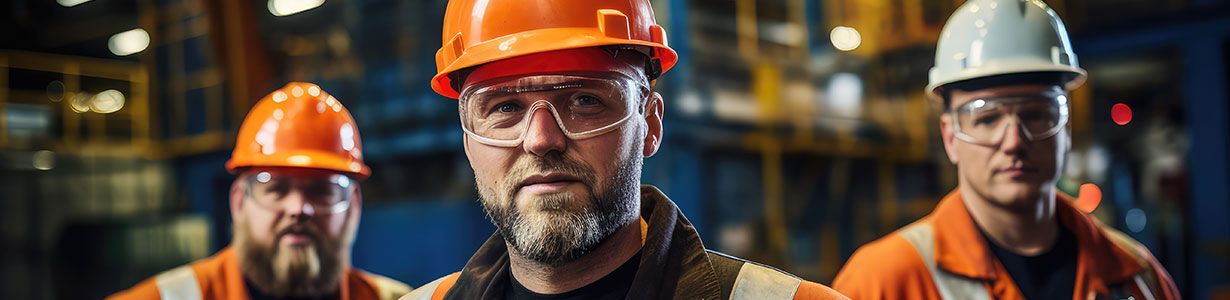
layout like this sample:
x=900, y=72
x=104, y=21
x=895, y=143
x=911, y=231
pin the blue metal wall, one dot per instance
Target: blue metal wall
x=1201, y=44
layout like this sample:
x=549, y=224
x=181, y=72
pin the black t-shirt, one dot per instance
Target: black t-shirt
x=256, y=294
x=1049, y=275
x=613, y=286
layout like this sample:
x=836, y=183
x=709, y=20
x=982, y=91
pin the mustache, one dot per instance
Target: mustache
x=302, y=229
x=550, y=163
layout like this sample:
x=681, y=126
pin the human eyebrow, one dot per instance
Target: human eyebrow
x=508, y=90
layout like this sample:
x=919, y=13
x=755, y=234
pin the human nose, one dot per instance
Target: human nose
x=543, y=135
x=297, y=206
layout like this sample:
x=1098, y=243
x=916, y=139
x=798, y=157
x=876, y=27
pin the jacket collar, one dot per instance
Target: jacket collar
x=961, y=249
x=673, y=260
x=959, y=246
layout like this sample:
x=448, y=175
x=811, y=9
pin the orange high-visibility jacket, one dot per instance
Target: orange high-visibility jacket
x=218, y=277
x=943, y=255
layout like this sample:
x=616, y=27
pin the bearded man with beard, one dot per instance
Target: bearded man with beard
x=558, y=114
x=295, y=205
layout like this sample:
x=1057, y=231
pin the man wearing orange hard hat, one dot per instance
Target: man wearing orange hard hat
x=558, y=113
x=296, y=206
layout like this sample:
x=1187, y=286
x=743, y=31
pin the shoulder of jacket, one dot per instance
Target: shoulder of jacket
x=146, y=289
x=386, y=288
x=746, y=279
x=889, y=263
x=194, y=278
x=811, y=290
x=1153, y=275
x=434, y=289
x=723, y=260
x=894, y=250
x=1126, y=243
x=214, y=267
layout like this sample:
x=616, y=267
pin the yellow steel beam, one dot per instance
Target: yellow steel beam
x=140, y=110
x=142, y=119
x=190, y=145
x=233, y=32
x=56, y=63
x=1082, y=114
x=745, y=22
x=141, y=140
x=797, y=11
x=195, y=144
x=176, y=82
x=848, y=147
x=766, y=86
x=214, y=113
x=774, y=197
x=830, y=249
x=915, y=116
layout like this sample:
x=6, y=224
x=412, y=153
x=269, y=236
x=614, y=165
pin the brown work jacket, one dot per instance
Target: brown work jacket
x=674, y=265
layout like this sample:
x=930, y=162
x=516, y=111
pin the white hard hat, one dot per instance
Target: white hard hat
x=986, y=38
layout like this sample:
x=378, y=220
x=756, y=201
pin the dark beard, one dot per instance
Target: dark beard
x=274, y=271
x=558, y=235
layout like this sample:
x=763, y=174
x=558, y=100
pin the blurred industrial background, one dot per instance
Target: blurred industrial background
x=797, y=130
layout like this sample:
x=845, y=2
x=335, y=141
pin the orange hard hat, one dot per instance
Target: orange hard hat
x=482, y=31
x=301, y=126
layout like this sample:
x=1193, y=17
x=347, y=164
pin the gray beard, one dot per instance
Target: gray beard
x=558, y=235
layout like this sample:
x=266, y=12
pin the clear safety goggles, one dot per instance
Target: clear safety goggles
x=497, y=112
x=986, y=121
x=326, y=194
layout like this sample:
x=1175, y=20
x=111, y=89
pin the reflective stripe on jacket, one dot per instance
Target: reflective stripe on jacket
x=218, y=277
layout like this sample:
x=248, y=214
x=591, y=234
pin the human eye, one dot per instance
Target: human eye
x=586, y=100
x=506, y=107
x=986, y=119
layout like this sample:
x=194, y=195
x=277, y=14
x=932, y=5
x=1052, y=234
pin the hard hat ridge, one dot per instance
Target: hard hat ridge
x=301, y=126
x=985, y=38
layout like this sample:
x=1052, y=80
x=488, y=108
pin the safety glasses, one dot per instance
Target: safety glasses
x=497, y=112
x=986, y=121
x=326, y=193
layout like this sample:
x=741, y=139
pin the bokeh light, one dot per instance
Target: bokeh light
x=845, y=38
x=1121, y=114
x=128, y=42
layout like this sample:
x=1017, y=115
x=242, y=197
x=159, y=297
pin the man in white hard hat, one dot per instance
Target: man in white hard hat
x=1003, y=69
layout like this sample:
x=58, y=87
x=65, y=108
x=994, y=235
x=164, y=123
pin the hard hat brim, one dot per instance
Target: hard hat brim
x=538, y=41
x=933, y=89
x=307, y=159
